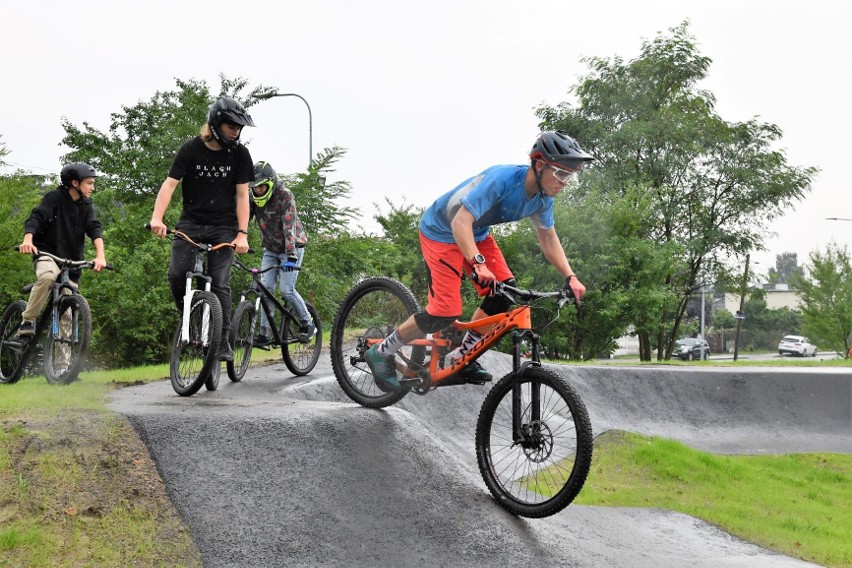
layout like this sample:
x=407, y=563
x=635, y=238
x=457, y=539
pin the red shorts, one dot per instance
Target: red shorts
x=445, y=265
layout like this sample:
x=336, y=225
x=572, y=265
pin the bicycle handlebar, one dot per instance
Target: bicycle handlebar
x=175, y=233
x=514, y=294
x=67, y=262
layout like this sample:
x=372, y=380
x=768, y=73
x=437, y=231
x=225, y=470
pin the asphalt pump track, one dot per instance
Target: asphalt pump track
x=285, y=471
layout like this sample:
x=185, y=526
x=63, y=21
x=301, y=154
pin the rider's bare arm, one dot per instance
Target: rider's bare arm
x=552, y=249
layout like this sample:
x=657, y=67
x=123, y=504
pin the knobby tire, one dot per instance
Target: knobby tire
x=372, y=309
x=14, y=353
x=542, y=476
x=301, y=358
x=65, y=347
x=192, y=363
x=242, y=340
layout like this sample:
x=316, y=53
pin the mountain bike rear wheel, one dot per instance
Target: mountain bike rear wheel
x=536, y=464
x=192, y=361
x=242, y=340
x=67, y=343
x=14, y=352
x=372, y=309
x=301, y=358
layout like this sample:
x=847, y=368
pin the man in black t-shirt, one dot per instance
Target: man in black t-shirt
x=214, y=170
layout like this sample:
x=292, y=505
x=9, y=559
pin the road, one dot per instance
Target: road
x=280, y=471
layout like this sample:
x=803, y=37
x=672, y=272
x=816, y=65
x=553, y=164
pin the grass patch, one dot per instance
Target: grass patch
x=797, y=504
x=77, y=485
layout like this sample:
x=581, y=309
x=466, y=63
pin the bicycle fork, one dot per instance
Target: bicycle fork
x=72, y=326
x=525, y=434
x=187, y=309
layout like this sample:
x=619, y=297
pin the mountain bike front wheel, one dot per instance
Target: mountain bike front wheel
x=301, y=358
x=67, y=341
x=212, y=382
x=193, y=359
x=534, y=443
x=242, y=340
x=14, y=351
x=371, y=310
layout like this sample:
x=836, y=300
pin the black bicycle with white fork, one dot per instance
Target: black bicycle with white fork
x=299, y=353
x=195, y=349
x=65, y=323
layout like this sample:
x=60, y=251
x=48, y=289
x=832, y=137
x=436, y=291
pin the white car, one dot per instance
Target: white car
x=796, y=345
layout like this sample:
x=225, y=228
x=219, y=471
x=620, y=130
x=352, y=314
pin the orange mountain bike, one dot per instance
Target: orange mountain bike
x=533, y=435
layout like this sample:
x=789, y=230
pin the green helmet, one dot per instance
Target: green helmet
x=264, y=174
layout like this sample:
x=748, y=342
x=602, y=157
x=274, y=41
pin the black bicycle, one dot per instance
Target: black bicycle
x=299, y=355
x=65, y=322
x=195, y=349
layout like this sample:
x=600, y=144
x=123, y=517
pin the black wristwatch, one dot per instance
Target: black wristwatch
x=243, y=231
x=478, y=259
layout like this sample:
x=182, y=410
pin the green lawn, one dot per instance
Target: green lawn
x=797, y=504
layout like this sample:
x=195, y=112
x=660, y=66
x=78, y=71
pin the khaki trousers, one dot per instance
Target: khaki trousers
x=46, y=274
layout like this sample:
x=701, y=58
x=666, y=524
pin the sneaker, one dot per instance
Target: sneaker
x=383, y=369
x=474, y=373
x=262, y=340
x=307, y=332
x=225, y=351
x=27, y=329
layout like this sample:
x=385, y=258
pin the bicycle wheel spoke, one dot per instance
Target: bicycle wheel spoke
x=372, y=310
x=242, y=340
x=535, y=466
x=67, y=341
x=301, y=357
x=12, y=347
x=193, y=357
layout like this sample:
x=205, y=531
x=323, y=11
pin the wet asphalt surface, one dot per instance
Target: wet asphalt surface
x=285, y=471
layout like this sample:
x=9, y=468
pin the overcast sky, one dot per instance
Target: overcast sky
x=426, y=94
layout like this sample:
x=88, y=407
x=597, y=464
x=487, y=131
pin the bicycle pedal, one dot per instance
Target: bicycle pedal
x=266, y=347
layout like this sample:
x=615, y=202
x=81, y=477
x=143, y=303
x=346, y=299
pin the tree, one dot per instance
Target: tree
x=319, y=203
x=133, y=156
x=786, y=269
x=3, y=151
x=826, y=292
x=714, y=185
x=19, y=194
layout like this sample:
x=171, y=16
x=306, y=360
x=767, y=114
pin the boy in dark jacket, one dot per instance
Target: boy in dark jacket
x=59, y=225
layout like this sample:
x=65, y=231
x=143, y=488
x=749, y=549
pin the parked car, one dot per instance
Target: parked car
x=690, y=348
x=796, y=345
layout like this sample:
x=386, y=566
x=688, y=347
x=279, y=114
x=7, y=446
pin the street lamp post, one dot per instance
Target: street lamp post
x=740, y=315
x=702, y=322
x=269, y=95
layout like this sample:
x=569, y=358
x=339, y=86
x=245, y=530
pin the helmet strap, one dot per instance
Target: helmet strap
x=538, y=173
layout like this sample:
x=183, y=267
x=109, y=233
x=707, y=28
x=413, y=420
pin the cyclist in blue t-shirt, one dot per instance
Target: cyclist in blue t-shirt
x=455, y=239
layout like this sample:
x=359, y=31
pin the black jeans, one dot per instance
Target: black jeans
x=218, y=265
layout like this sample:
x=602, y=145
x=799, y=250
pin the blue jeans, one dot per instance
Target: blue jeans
x=287, y=285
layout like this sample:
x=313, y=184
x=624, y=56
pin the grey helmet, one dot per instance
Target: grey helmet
x=557, y=148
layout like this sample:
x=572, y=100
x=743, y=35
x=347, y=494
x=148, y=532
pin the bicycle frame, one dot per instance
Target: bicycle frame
x=262, y=298
x=63, y=282
x=196, y=273
x=517, y=321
